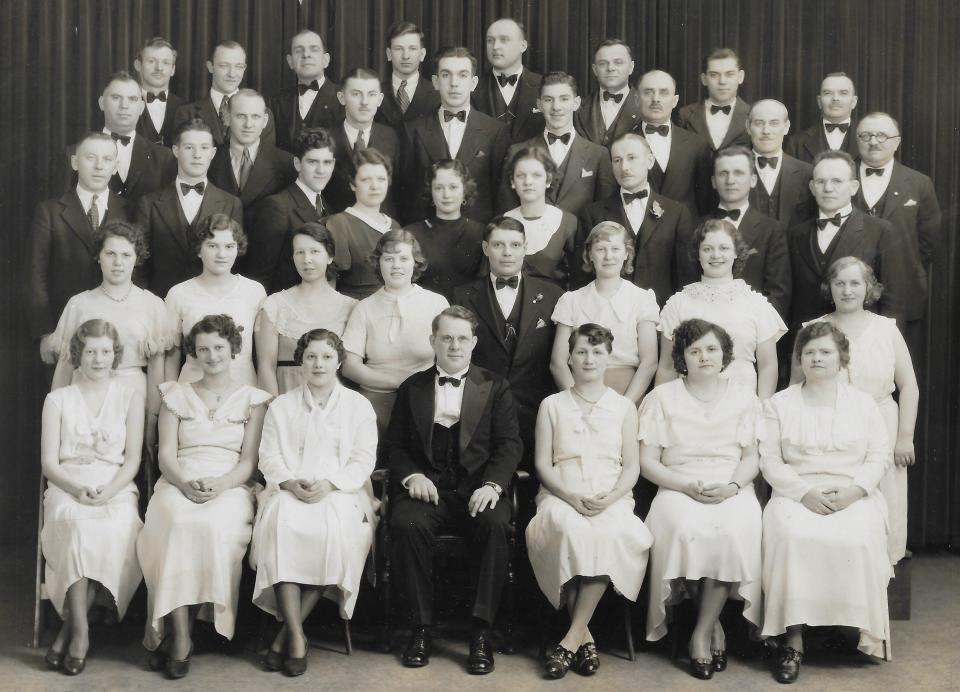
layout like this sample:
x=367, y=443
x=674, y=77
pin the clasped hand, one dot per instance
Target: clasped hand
x=591, y=505
x=831, y=499
x=308, y=491
x=92, y=496
x=201, y=490
x=710, y=493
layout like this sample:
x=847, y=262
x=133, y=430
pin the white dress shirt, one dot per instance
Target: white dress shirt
x=768, y=175
x=718, y=123
x=86, y=197
x=447, y=398
x=506, y=296
x=410, y=88
x=743, y=211
x=157, y=110
x=218, y=96
x=558, y=150
x=190, y=203
x=305, y=100
x=636, y=209
x=124, y=154
x=826, y=236
x=509, y=90
x=453, y=130
x=659, y=145
x=352, y=133
x=835, y=138
x=236, y=156
x=610, y=109
x=874, y=186
x=310, y=194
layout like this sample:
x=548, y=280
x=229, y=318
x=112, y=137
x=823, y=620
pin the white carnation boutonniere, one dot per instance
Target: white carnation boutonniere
x=656, y=211
x=538, y=298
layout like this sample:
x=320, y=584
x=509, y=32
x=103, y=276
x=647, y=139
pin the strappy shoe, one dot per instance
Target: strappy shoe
x=788, y=668
x=588, y=659
x=558, y=662
x=719, y=660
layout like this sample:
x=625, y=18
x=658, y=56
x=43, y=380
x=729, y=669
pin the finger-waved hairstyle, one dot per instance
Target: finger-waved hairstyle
x=740, y=246
x=595, y=335
x=874, y=287
x=121, y=229
x=689, y=332
x=221, y=325
x=217, y=222
x=326, y=336
x=94, y=328
x=388, y=243
x=815, y=330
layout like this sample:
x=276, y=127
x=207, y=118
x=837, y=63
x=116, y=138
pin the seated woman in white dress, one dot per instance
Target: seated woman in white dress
x=315, y=521
x=747, y=316
x=585, y=535
x=388, y=334
x=699, y=444
x=879, y=365
x=90, y=454
x=630, y=313
x=199, y=519
x=218, y=240
x=288, y=314
x=824, y=454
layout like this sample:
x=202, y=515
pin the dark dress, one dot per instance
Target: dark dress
x=355, y=240
x=453, y=252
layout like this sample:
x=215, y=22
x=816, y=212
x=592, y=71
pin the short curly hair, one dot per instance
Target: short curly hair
x=374, y=157
x=469, y=184
x=689, y=332
x=606, y=230
x=874, y=287
x=121, y=229
x=221, y=325
x=822, y=328
x=217, y=222
x=328, y=337
x=94, y=328
x=312, y=138
x=388, y=242
x=740, y=246
x=537, y=154
x=595, y=335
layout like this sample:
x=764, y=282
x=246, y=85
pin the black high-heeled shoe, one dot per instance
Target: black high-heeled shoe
x=178, y=668
x=158, y=657
x=719, y=660
x=273, y=661
x=292, y=667
x=558, y=662
x=588, y=659
x=788, y=667
x=53, y=659
x=74, y=666
x=701, y=668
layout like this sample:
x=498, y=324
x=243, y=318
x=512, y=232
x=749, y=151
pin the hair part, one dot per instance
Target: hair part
x=534, y=154
x=457, y=312
x=504, y=223
x=221, y=325
x=192, y=125
x=158, y=42
x=595, y=335
x=119, y=76
x=319, y=232
x=691, y=331
x=818, y=329
x=874, y=287
x=372, y=157
x=610, y=43
x=209, y=225
x=455, y=165
x=92, y=329
x=733, y=151
x=330, y=338
x=721, y=54
x=228, y=45
x=130, y=232
x=454, y=52
x=402, y=29
x=831, y=154
x=608, y=230
x=358, y=73
x=304, y=32
x=740, y=246
x=388, y=242
x=558, y=77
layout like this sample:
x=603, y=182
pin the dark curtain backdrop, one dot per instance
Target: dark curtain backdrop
x=902, y=55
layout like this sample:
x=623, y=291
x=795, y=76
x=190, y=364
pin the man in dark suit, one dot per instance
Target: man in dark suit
x=312, y=102
x=508, y=91
x=837, y=129
x=456, y=131
x=453, y=448
x=583, y=168
x=360, y=96
x=156, y=64
x=515, y=336
x=614, y=108
x=838, y=231
x=783, y=188
x=227, y=65
x=60, y=247
x=767, y=268
x=661, y=228
x=683, y=161
x=409, y=95
x=906, y=198
x=721, y=119
x=168, y=214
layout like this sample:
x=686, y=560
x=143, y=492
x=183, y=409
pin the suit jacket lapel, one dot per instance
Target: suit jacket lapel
x=209, y=113
x=76, y=219
x=222, y=162
x=470, y=144
x=629, y=116
x=138, y=160
x=169, y=206
x=698, y=121
x=575, y=159
x=526, y=101
x=480, y=303
x=422, y=403
x=528, y=312
x=850, y=240
x=891, y=198
x=476, y=391
x=649, y=225
x=737, y=121
x=260, y=173
x=788, y=183
x=435, y=142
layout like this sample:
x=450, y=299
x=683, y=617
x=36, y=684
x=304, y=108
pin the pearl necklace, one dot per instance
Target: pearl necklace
x=114, y=298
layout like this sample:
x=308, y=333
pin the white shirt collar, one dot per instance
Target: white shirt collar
x=236, y=149
x=844, y=212
x=86, y=196
x=494, y=277
x=863, y=167
x=412, y=82
x=310, y=194
x=519, y=72
x=458, y=375
x=217, y=96
x=132, y=135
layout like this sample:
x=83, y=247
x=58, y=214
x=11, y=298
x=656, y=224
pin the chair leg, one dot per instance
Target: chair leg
x=386, y=588
x=545, y=629
x=38, y=576
x=673, y=632
x=508, y=645
x=346, y=636
x=628, y=629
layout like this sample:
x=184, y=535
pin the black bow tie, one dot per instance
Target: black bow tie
x=151, y=97
x=184, y=188
x=662, y=130
x=304, y=88
x=512, y=282
x=630, y=196
x=459, y=115
x=455, y=381
x=732, y=214
x=714, y=109
x=764, y=161
x=836, y=220
x=551, y=138
x=616, y=98
x=874, y=171
x=504, y=79
x=843, y=127
x=123, y=139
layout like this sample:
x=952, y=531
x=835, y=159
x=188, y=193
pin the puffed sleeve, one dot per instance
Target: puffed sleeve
x=670, y=316
x=355, y=333
x=654, y=428
x=161, y=334
x=750, y=425
x=647, y=308
x=267, y=314
x=779, y=474
x=271, y=464
x=173, y=397
x=361, y=426
x=66, y=327
x=877, y=459
x=769, y=323
x=174, y=315
x=563, y=312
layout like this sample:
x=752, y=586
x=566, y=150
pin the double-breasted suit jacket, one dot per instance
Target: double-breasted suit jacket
x=521, y=116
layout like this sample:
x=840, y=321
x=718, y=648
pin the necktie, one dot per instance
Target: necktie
x=732, y=214
x=512, y=282
x=454, y=381
x=662, y=130
x=123, y=139
x=359, y=145
x=459, y=115
x=551, y=138
x=304, y=88
x=504, y=79
x=151, y=97
x=184, y=188
x=630, y=196
x=402, y=99
x=833, y=126
x=245, y=165
x=222, y=115
x=93, y=214
x=616, y=98
x=319, y=204
x=764, y=161
x=874, y=171
x=714, y=109
x=836, y=220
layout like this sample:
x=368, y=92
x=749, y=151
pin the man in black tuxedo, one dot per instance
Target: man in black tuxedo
x=508, y=91
x=456, y=131
x=312, y=102
x=783, y=188
x=156, y=64
x=683, y=160
x=837, y=129
x=361, y=97
x=583, y=168
x=515, y=336
x=227, y=65
x=614, y=108
x=721, y=119
x=409, y=95
x=838, y=231
x=168, y=214
x=767, y=268
x=661, y=227
x=60, y=247
x=453, y=446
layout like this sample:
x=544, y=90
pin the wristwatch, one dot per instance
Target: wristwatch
x=495, y=486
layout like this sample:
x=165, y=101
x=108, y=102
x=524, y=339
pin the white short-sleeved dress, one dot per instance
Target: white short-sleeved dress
x=192, y=553
x=693, y=540
x=80, y=541
x=292, y=319
x=324, y=543
x=828, y=569
x=744, y=313
x=561, y=542
x=621, y=314
x=189, y=302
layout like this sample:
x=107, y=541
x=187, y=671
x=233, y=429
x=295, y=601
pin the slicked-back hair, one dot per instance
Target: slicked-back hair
x=358, y=73
x=720, y=54
x=595, y=335
x=829, y=154
x=194, y=124
x=158, y=42
x=92, y=329
x=691, y=331
x=130, y=232
x=736, y=150
x=331, y=339
x=455, y=52
x=96, y=137
x=457, y=312
x=119, y=76
x=313, y=138
x=609, y=43
x=633, y=136
x=247, y=93
x=882, y=114
x=221, y=325
x=402, y=29
x=520, y=27
x=229, y=45
x=303, y=32
x=504, y=223
x=559, y=77
x=818, y=329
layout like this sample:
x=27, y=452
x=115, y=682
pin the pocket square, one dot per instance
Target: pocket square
x=584, y=173
x=540, y=323
x=910, y=203
x=480, y=153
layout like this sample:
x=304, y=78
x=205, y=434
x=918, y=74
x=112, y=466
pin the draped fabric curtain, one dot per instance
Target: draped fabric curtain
x=901, y=54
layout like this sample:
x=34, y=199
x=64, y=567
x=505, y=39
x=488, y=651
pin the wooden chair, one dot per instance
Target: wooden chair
x=554, y=614
x=39, y=591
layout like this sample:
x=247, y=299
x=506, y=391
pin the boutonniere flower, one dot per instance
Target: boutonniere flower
x=536, y=110
x=656, y=211
x=752, y=251
x=538, y=298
